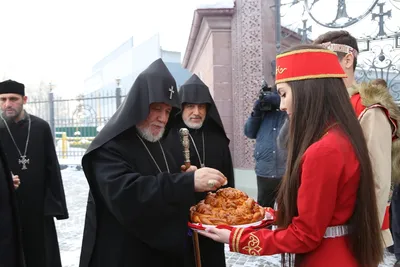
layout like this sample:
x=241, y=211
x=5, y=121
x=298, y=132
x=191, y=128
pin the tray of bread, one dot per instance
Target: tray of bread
x=228, y=207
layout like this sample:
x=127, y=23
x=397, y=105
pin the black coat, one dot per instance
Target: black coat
x=136, y=215
x=40, y=195
x=214, y=154
x=217, y=156
x=11, y=252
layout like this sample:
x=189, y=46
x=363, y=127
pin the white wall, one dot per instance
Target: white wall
x=126, y=63
x=121, y=66
x=144, y=54
x=94, y=82
x=170, y=56
x=115, y=65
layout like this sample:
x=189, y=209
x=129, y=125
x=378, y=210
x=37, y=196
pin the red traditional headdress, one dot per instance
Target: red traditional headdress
x=307, y=64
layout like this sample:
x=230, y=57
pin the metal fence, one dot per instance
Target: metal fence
x=75, y=122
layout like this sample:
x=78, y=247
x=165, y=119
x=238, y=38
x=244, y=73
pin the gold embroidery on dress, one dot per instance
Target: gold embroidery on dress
x=305, y=77
x=305, y=50
x=253, y=247
x=280, y=70
x=237, y=239
x=234, y=239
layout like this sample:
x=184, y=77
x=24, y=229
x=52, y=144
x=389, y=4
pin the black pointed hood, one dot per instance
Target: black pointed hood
x=194, y=91
x=153, y=85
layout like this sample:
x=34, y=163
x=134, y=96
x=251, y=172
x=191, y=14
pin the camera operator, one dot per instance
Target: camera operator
x=264, y=125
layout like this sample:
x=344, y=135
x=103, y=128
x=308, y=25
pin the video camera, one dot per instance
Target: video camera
x=263, y=94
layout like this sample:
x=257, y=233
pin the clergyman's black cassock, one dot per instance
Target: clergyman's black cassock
x=217, y=155
x=136, y=216
x=40, y=195
x=11, y=253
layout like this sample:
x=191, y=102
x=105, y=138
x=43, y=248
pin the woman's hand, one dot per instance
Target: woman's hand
x=219, y=235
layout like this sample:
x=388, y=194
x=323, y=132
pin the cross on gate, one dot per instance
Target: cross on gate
x=303, y=31
x=381, y=15
x=341, y=12
x=23, y=161
x=171, y=92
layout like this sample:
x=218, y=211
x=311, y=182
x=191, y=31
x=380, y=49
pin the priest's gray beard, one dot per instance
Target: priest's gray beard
x=192, y=125
x=145, y=133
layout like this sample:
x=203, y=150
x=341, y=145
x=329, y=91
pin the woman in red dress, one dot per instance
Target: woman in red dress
x=327, y=214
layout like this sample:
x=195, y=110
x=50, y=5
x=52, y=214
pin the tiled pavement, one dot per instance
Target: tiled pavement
x=236, y=259
x=70, y=231
x=239, y=260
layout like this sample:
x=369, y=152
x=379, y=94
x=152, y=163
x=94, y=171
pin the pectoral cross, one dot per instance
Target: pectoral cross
x=23, y=161
x=171, y=92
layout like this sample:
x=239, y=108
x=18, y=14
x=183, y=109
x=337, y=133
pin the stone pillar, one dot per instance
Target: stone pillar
x=209, y=55
x=222, y=70
x=268, y=39
x=247, y=72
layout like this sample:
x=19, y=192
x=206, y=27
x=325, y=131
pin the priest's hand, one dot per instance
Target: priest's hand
x=208, y=179
x=218, y=235
x=16, y=181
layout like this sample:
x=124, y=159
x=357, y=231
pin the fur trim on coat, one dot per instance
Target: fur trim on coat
x=377, y=94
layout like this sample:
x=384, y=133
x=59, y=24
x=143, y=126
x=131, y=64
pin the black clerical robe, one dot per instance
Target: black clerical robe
x=11, y=253
x=136, y=216
x=40, y=195
x=217, y=156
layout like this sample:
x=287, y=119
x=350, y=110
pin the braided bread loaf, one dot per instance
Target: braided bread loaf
x=227, y=206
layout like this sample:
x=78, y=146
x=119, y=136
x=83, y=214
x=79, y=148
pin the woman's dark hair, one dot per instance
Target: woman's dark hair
x=316, y=104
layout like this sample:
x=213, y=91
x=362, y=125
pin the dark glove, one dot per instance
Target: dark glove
x=256, y=109
x=273, y=99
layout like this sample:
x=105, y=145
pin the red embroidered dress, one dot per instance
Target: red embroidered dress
x=329, y=180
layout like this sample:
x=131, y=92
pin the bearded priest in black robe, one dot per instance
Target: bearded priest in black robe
x=29, y=147
x=209, y=147
x=11, y=253
x=139, y=199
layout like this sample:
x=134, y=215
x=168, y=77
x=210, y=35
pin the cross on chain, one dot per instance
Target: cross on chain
x=23, y=161
x=171, y=92
x=381, y=15
x=303, y=31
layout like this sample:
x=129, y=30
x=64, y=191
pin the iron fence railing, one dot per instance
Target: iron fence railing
x=75, y=122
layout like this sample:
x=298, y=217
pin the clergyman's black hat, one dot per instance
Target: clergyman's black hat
x=12, y=87
x=154, y=85
x=195, y=91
